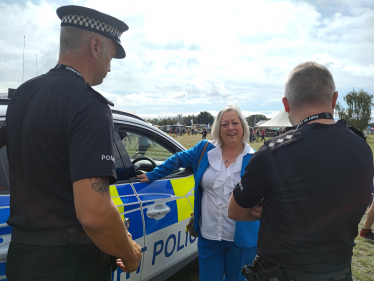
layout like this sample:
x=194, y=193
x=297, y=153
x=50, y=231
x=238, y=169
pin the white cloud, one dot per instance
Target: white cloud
x=358, y=70
x=36, y=30
x=185, y=56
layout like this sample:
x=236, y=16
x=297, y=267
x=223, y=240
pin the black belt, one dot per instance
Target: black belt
x=294, y=275
x=69, y=236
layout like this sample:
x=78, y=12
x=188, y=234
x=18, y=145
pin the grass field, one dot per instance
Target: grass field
x=363, y=253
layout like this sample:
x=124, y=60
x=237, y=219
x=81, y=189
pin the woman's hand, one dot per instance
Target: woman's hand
x=143, y=178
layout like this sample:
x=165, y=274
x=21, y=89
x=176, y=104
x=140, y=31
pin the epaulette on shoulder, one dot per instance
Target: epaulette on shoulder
x=100, y=96
x=283, y=140
x=356, y=133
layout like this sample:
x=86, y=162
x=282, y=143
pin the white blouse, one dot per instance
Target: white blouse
x=218, y=183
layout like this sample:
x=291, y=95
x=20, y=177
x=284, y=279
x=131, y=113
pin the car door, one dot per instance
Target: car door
x=166, y=203
x=124, y=197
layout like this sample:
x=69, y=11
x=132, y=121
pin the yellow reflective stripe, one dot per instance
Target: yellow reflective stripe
x=181, y=188
x=184, y=209
x=117, y=200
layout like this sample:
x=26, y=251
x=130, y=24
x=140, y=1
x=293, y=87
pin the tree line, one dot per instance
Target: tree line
x=203, y=117
x=357, y=114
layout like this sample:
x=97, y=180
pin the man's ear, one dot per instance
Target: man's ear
x=95, y=47
x=286, y=104
x=334, y=99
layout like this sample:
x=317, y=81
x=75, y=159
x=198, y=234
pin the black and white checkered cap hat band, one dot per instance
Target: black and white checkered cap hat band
x=91, y=23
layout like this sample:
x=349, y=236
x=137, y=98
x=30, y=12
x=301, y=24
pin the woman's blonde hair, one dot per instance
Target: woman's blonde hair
x=217, y=121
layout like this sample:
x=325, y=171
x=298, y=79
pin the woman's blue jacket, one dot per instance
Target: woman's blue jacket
x=246, y=233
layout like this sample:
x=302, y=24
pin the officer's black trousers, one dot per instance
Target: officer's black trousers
x=52, y=263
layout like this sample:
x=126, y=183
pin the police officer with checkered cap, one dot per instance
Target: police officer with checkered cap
x=61, y=163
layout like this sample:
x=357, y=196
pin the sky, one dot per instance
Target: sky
x=190, y=56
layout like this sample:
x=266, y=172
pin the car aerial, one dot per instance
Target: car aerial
x=158, y=212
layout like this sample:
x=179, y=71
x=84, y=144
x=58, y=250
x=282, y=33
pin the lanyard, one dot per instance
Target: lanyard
x=323, y=115
x=72, y=69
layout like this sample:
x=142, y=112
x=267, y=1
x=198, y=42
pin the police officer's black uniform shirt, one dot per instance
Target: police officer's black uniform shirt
x=316, y=190
x=59, y=130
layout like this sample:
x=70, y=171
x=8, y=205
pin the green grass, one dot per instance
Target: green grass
x=363, y=253
x=370, y=141
x=363, y=258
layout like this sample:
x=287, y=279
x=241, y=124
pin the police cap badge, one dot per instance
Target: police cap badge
x=95, y=21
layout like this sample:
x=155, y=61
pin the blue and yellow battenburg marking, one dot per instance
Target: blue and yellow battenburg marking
x=184, y=188
x=5, y=229
x=177, y=194
x=128, y=206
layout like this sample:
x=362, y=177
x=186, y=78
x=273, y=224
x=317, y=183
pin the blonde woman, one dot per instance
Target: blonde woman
x=224, y=245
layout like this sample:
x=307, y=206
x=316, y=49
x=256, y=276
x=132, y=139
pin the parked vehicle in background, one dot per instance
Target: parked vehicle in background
x=177, y=128
x=165, y=128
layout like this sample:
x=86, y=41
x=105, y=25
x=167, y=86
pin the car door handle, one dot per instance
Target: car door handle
x=158, y=212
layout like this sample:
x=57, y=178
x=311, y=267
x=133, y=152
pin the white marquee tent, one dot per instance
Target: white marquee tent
x=260, y=122
x=278, y=121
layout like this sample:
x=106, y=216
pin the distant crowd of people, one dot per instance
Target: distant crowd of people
x=255, y=134
x=181, y=131
x=177, y=131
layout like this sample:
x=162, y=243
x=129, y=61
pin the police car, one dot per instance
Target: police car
x=158, y=212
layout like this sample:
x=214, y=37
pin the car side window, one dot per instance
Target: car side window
x=138, y=145
x=120, y=169
x=4, y=165
x=143, y=143
x=145, y=149
x=124, y=169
